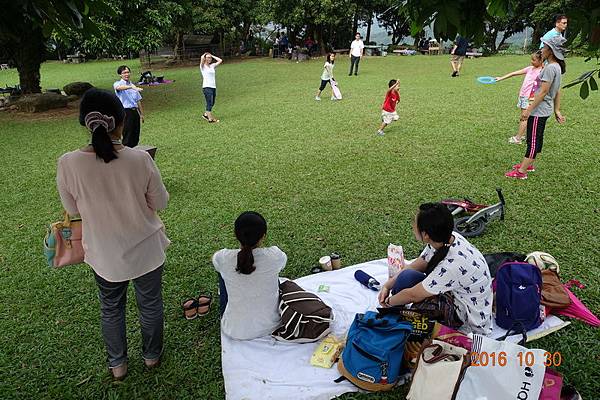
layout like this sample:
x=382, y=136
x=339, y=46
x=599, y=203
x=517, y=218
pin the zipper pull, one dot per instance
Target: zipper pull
x=384, y=378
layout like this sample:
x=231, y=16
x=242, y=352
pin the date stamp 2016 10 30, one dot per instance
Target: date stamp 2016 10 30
x=526, y=358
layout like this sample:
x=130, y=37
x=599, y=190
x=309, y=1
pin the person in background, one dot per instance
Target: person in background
x=326, y=75
x=283, y=45
x=459, y=51
x=130, y=97
x=560, y=26
x=117, y=191
x=357, y=48
x=545, y=102
x=388, y=109
x=527, y=92
x=249, y=281
x=276, y=46
x=209, y=83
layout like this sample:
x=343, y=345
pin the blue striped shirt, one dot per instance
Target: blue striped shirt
x=130, y=97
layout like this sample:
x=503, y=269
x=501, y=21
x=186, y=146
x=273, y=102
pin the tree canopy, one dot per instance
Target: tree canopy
x=111, y=27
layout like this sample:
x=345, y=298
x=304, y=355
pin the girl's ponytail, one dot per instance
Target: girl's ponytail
x=245, y=261
x=250, y=228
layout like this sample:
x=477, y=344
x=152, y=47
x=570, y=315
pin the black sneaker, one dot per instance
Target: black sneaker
x=454, y=74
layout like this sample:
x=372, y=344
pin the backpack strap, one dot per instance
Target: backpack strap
x=517, y=328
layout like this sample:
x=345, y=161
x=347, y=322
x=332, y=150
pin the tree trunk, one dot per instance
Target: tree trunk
x=178, y=50
x=536, y=36
x=505, y=36
x=28, y=53
x=355, y=25
x=369, y=23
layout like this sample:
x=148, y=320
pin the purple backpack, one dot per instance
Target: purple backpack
x=518, y=287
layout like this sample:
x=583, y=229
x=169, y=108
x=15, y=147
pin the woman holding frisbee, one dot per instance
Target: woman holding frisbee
x=546, y=101
x=209, y=85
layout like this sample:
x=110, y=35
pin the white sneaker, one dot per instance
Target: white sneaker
x=317, y=98
x=515, y=140
x=380, y=132
x=333, y=98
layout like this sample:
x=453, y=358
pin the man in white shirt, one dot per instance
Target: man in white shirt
x=356, y=52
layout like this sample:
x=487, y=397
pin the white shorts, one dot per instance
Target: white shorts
x=388, y=117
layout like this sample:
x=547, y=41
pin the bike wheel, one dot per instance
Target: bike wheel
x=472, y=229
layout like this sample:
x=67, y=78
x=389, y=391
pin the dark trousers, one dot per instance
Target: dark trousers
x=222, y=296
x=210, y=94
x=113, y=299
x=131, y=130
x=354, y=62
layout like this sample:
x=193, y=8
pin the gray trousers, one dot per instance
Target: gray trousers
x=113, y=298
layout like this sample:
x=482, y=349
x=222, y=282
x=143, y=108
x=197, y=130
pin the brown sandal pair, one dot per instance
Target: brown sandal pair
x=199, y=307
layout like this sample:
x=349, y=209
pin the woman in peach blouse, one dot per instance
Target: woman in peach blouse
x=118, y=190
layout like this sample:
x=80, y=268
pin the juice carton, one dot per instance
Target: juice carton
x=395, y=259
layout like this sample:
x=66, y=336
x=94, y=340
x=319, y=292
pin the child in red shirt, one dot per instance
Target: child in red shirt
x=388, y=111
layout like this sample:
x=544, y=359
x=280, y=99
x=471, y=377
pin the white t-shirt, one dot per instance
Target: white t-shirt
x=356, y=48
x=327, y=71
x=208, y=76
x=465, y=273
x=252, y=306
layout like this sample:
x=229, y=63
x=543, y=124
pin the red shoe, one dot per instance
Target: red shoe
x=515, y=173
x=531, y=168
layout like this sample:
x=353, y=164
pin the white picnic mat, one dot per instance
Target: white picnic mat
x=264, y=369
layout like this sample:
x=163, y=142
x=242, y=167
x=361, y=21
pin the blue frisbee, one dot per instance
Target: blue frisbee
x=486, y=80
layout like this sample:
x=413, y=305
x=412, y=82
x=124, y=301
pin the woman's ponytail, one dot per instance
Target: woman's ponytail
x=102, y=144
x=101, y=112
x=438, y=256
x=563, y=66
x=250, y=228
x=436, y=220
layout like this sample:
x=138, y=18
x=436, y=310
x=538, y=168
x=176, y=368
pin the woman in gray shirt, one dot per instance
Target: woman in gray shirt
x=547, y=100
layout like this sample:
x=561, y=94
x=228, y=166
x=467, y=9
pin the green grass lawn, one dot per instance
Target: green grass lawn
x=321, y=177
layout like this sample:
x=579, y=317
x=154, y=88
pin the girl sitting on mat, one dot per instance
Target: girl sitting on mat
x=527, y=90
x=450, y=265
x=326, y=76
x=248, y=281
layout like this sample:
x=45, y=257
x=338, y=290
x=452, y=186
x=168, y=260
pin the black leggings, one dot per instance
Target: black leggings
x=324, y=83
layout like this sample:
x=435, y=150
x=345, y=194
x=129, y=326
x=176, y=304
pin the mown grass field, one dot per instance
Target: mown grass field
x=322, y=178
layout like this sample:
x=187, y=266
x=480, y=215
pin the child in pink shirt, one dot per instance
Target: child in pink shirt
x=527, y=91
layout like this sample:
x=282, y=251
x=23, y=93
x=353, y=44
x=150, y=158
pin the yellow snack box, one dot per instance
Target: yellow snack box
x=327, y=352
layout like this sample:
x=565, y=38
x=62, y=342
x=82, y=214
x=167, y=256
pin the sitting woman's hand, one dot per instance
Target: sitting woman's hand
x=383, y=295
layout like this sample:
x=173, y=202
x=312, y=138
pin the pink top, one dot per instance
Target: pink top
x=123, y=237
x=530, y=82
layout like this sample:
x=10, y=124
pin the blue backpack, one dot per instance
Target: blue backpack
x=518, y=296
x=374, y=349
